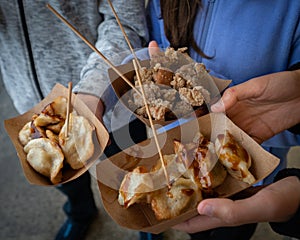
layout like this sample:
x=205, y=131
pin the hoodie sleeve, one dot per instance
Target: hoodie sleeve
x=111, y=43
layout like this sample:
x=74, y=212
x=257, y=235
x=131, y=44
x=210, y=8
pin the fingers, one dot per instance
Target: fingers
x=232, y=95
x=153, y=48
x=227, y=211
x=198, y=224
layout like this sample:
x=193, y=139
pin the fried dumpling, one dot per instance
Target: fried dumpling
x=234, y=157
x=44, y=120
x=78, y=146
x=25, y=134
x=53, y=115
x=57, y=108
x=214, y=178
x=135, y=187
x=175, y=167
x=183, y=195
x=211, y=172
x=45, y=157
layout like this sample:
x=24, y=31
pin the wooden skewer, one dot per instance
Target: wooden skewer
x=151, y=123
x=124, y=33
x=69, y=106
x=92, y=47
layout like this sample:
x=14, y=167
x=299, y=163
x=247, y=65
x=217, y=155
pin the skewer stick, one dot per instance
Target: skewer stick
x=124, y=33
x=151, y=123
x=92, y=47
x=69, y=106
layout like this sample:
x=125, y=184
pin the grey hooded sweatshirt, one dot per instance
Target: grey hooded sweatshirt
x=38, y=50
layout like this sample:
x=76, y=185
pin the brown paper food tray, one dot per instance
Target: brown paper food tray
x=14, y=125
x=140, y=216
x=122, y=89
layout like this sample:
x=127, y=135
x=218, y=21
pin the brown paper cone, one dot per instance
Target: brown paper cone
x=140, y=217
x=14, y=125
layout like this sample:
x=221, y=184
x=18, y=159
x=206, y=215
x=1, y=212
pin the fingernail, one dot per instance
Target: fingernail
x=207, y=210
x=217, y=106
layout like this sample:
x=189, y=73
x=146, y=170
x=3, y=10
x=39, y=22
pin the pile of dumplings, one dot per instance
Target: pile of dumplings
x=49, y=148
x=195, y=168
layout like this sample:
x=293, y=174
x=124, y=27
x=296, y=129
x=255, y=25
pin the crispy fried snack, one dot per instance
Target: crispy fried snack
x=174, y=86
x=78, y=146
x=46, y=144
x=234, y=157
x=46, y=158
x=183, y=195
x=134, y=187
x=196, y=168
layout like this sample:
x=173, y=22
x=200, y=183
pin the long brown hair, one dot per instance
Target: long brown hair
x=179, y=17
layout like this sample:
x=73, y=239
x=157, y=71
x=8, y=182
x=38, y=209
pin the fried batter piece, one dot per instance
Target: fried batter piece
x=174, y=85
x=195, y=96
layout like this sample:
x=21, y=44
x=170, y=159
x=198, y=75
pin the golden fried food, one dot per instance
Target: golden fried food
x=57, y=108
x=196, y=167
x=134, y=187
x=45, y=141
x=78, y=145
x=234, y=157
x=214, y=178
x=211, y=173
x=174, y=85
x=46, y=158
x=53, y=115
x=25, y=134
x=183, y=195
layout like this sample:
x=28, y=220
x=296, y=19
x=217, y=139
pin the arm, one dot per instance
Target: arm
x=263, y=106
x=111, y=43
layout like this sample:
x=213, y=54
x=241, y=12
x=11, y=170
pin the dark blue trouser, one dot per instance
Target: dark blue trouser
x=80, y=205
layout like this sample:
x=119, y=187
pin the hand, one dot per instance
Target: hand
x=275, y=203
x=263, y=106
x=94, y=104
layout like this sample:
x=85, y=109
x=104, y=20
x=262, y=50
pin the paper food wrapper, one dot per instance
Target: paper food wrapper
x=110, y=172
x=123, y=90
x=14, y=125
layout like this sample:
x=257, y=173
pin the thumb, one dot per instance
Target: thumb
x=240, y=92
x=153, y=44
x=217, y=208
x=229, y=98
x=233, y=213
x=153, y=48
